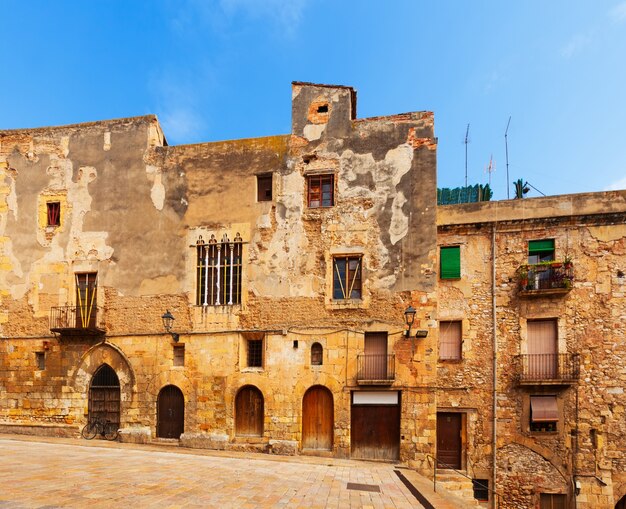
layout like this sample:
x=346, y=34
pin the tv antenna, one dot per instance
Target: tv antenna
x=490, y=168
x=466, y=142
x=506, y=147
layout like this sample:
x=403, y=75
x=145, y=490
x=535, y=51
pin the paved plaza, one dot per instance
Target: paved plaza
x=97, y=474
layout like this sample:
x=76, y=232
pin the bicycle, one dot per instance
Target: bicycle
x=97, y=425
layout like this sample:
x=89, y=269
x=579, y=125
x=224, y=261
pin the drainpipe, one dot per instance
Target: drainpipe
x=495, y=363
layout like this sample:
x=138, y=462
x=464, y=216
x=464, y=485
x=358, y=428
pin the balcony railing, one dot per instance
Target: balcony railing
x=375, y=369
x=547, y=277
x=74, y=320
x=548, y=368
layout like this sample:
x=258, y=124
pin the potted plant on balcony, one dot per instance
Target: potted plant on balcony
x=522, y=277
x=567, y=262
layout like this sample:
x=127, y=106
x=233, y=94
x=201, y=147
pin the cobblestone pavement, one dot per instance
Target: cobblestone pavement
x=98, y=474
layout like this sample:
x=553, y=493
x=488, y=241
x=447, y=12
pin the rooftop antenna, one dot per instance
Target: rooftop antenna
x=466, y=142
x=490, y=168
x=506, y=146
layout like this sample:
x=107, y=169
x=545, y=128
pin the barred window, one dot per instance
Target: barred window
x=255, y=353
x=219, y=271
x=347, y=277
x=317, y=354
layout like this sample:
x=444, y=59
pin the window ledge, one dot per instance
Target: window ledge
x=450, y=361
x=251, y=370
x=347, y=304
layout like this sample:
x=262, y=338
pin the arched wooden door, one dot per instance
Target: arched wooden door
x=170, y=412
x=317, y=418
x=104, y=395
x=249, y=412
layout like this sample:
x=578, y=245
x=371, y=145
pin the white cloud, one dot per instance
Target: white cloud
x=285, y=13
x=181, y=124
x=617, y=185
x=618, y=13
x=576, y=44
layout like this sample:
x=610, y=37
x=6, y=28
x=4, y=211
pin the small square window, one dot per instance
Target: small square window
x=40, y=358
x=264, y=187
x=321, y=191
x=255, y=353
x=481, y=489
x=347, y=277
x=179, y=355
x=450, y=340
x=450, y=262
x=54, y=213
x=544, y=413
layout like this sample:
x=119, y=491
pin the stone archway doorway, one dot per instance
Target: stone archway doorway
x=104, y=395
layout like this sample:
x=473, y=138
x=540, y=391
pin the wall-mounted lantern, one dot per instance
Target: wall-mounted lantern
x=409, y=319
x=168, y=321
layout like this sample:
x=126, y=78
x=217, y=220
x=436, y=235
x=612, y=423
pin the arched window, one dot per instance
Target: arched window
x=317, y=354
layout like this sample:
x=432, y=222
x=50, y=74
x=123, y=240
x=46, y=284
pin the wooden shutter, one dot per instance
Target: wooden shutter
x=450, y=262
x=536, y=246
x=450, y=340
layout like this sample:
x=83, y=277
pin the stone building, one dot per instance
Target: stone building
x=287, y=263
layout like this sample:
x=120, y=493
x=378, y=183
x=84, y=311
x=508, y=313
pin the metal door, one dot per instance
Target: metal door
x=249, y=412
x=375, y=428
x=104, y=395
x=317, y=418
x=449, y=440
x=170, y=412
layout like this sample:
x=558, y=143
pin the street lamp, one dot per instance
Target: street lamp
x=168, y=321
x=409, y=319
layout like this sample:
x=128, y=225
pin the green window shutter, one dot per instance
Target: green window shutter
x=450, y=262
x=540, y=246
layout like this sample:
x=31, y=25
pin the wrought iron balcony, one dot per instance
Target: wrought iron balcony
x=548, y=278
x=375, y=369
x=548, y=369
x=76, y=320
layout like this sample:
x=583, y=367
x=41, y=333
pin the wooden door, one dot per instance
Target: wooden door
x=104, y=395
x=249, y=412
x=542, y=349
x=375, y=365
x=317, y=418
x=170, y=412
x=86, y=303
x=449, y=440
x=621, y=504
x=375, y=431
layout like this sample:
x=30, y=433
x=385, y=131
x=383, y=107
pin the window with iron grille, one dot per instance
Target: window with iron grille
x=317, y=354
x=219, y=271
x=321, y=191
x=179, y=355
x=347, y=277
x=255, y=353
x=54, y=213
x=264, y=187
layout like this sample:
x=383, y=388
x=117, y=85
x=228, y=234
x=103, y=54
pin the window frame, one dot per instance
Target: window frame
x=317, y=354
x=53, y=214
x=264, y=192
x=40, y=361
x=339, y=284
x=450, y=264
x=254, y=353
x=178, y=358
x=543, y=426
x=547, y=500
x=457, y=344
x=541, y=250
x=315, y=193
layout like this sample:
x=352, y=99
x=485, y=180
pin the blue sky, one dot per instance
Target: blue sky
x=222, y=69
